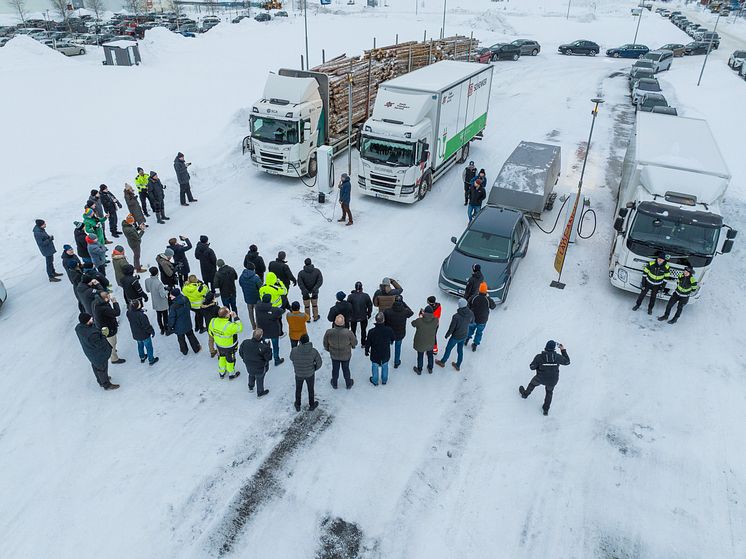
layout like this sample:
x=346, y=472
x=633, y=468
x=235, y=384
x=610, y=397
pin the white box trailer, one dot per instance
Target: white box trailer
x=422, y=124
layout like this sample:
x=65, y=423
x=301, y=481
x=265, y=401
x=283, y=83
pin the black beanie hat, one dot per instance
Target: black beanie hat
x=304, y=339
x=253, y=248
x=40, y=222
x=307, y=261
x=250, y=266
x=203, y=238
x=295, y=306
x=84, y=318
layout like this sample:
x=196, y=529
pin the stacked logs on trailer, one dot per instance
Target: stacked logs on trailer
x=379, y=65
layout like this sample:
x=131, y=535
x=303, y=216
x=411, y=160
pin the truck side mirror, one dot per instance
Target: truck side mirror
x=619, y=224
x=454, y=240
x=731, y=234
x=623, y=212
x=727, y=246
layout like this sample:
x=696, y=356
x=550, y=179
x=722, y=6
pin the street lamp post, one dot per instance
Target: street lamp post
x=709, y=49
x=559, y=259
x=443, y=30
x=568, y=9
x=305, y=24
x=639, y=19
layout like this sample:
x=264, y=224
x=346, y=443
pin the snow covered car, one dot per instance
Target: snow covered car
x=647, y=101
x=742, y=71
x=661, y=110
x=70, y=49
x=588, y=48
x=496, y=239
x=262, y=17
x=628, y=51
x=281, y=13
x=736, y=59
x=644, y=85
x=3, y=294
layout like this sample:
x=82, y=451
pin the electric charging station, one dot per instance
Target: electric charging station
x=325, y=169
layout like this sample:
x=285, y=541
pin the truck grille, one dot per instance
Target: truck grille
x=269, y=157
x=382, y=183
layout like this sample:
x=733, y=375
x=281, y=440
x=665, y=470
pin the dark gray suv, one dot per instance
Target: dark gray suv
x=527, y=46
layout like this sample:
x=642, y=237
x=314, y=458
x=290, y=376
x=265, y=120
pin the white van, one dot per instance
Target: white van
x=661, y=59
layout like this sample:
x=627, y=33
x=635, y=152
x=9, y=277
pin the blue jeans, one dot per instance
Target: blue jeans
x=146, y=344
x=397, y=352
x=275, y=348
x=472, y=211
x=230, y=302
x=421, y=358
x=459, y=345
x=479, y=329
x=384, y=372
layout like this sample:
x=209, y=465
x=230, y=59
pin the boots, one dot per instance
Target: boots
x=315, y=306
x=673, y=320
x=158, y=217
x=307, y=308
x=523, y=392
x=662, y=318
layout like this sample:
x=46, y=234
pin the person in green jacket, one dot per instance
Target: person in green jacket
x=94, y=225
x=194, y=290
x=141, y=183
x=274, y=287
x=224, y=329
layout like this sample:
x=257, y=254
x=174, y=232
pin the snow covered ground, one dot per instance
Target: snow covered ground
x=641, y=456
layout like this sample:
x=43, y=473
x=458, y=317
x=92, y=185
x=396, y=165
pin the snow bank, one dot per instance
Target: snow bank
x=23, y=53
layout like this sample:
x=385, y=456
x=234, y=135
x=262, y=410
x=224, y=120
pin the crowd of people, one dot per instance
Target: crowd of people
x=186, y=304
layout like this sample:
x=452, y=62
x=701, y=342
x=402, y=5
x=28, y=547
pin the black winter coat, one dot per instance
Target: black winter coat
x=44, y=241
x=105, y=315
x=269, y=319
x=80, y=242
x=362, y=306
x=209, y=312
x=310, y=280
x=342, y=307
x=110, y=202
x=182, y=175
x=131, y=285
x=207, y=261
x=547, y=364
x=379, y=341
x=255, y=354
x=476, y=195
x=140, y=325
x=94, y=344
x=179, y=319
x=257, y=261
x=459, y=327
x=480, y=305
x=85, y=294
x=396, y=319
x=180, y=258
x=225, y=281
x=155, y=191
x=472, y=285
x=283, y=273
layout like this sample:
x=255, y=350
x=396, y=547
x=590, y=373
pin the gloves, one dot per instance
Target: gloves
x=105, y=331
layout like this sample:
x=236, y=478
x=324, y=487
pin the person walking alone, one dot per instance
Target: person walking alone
x=378, y=344
x=468, y=175
x=456, y=334
x=158, y=297
x=310, y=281
x=182, y=176
x=306, y=361
x=225, y=329
x=180, y=323
x=96, y=349
x=546, y=364
x=142, y=332
x=256, y=355
x=45, y=242
x=362, y=308
x=339, y=341
x=345, y=194
x=426, y=330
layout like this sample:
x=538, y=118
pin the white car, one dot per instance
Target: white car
x=70, y=49
x=642, y=86
x=737, y=59
x=661, y=59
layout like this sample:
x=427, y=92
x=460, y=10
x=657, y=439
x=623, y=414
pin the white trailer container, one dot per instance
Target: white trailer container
x=422, y=124
x=673, y=180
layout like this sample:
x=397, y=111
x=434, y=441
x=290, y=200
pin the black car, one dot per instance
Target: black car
x=238, y=19
x=281, y=13
x=505, y=51
x=588, y=48
x=527, y=46
x=262, y=17
x=696, y=47
x=496, y=239
x=711, y=37
x=628, y=51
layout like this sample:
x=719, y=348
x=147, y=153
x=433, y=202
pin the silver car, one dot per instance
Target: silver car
x=70, y=49
x=644, y=85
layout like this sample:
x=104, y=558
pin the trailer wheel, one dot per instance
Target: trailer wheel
x=464, y=153
x=313, y=166
x=425, y=185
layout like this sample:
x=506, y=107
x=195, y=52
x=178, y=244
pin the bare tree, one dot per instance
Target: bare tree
x=97, y=7
x=60, y=6
x=177, y=10
x=135, y=7
x=20, y=7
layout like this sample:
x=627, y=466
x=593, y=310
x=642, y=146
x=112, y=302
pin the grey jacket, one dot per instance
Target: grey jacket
x=339, y=342
x=158, y=295
x=459, y=327
x=306, y=360
x=98, y=254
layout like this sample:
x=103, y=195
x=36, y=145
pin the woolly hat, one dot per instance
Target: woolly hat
x=341, y=295
x=250, y=266
x=281, y=255
x=483, y=287
x=175, y=292
x=94, y=192
x=380, y=318
x=84, y=318
x=203, y=239
x=66, y=247
x=253, y=248
x=130, y=219
x=169, y=252
x=428, y=310
x=220, y=263
x=476, y=268
x=153, y=271
x=345, y=176
x=40, y=222
x=307, y=262
x=102, y=188
x=88, y=211
x=153, y=174
x=295, y=306
x=462, y=303
x=140, y=170
x=339, y=320
x=431, y=300
x=209, y=298
x=358, y=286
x=551, y=345
x=386, y=282
x=304, y=339
x=119, y=249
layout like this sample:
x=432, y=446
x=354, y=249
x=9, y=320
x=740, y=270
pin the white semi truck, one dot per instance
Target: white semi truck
x=422, y=124
x=673, y=180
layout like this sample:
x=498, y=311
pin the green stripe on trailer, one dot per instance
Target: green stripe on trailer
x=458, y=141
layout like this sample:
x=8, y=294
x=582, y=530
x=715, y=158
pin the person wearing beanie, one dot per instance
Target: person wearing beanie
x=105, y=310
x=396, y=318
x=133, y=291
x=111, y=205
x=167, y=268
x=141, y=183
x=224, y=329
x=156, y=196
x=546, y=364
x=225, y=285
x=251, y=284
x=339, y=341
x=133, y=233
x=345, y=195
x=253, y=257
x=425, y=332
x=343, y=307
x=97, y=251
x=73, y=268
x=269, y=319
x=180, y=323
x=296, y=323
x=362, y=308
x=474, y=281
x=159, y=298
x=256, y=355
x=384, y=296
x=654, y=276
x=477, y=194
x=207, y=261
x=118, y=262
x=195, y=291
x=306, y=361
x=480, y=304
x=456, y=334
x=181, y=263
x=182, y=176
x=94, y=201
x=437, y=311
x=93, y=223
x=280, y=268
x=96, y=349
x=310, y=281
x=133, y=205
x=686, y=285
x=86, y=291
x=142, y=332
x=210, y=310
x=378, y=346
x=468, y=175
x=45, y=242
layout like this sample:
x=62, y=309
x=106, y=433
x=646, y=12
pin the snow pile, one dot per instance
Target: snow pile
x=24, y=53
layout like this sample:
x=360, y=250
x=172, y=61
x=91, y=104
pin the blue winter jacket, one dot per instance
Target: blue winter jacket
x=98, y=254
x=45, y=242
x=344, y=191
x=250, y=284
x=179, y=319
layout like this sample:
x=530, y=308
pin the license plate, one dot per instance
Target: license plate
x=386, y=196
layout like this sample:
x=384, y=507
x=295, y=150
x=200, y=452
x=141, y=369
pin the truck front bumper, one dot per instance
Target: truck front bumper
x=406, y=194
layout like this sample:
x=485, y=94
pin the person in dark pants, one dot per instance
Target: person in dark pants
x=340, y=307
x=654, y=276
x=280, y=268
x=686, y=285
x=477, y=194
x=362, y=308
x=396, y=319
x=159, y=297
x=256, y=355
x=111, y=205
x=181, y=263
x=469, y=174
x=208, y=262
x=269, y=319
x=225, y=284
x=142, y=332
x=180, y=322
x=97, y=350
x=339, y=341
x=379, y=341
x=141, y=183
x=345, y=194
x=306, y=361
x=182, y=175
x=426, y=330
x=310, y=281
x=481, y=305
x=253, y=257
x=45, y=243
x=546, y=364
x=475, y=280
x=156, y=195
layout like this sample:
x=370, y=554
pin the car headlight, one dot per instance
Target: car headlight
x=622, y=273
x=407, y=189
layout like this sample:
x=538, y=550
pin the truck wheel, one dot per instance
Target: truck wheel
x=313, y=167
x=464, y=154
x=425, y=185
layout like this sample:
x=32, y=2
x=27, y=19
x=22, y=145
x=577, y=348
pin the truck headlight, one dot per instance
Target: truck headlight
x=622, y=273
x=407, y=189
x=361, y=181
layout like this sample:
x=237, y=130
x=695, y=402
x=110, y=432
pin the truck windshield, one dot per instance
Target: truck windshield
x=486, y=246
x=688, y=234
x=389, y=153
x=274, y=130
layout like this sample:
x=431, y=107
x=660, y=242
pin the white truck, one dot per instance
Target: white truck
x=673, y=180
x=422, y=124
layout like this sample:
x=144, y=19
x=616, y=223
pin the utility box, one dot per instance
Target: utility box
x=121, y=53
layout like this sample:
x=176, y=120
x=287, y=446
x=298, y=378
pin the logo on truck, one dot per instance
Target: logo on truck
x=474, y=86
x=397, y=106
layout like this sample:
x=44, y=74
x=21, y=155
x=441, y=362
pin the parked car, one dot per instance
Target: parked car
x=497, y=239
x=683, y=23
x=644, y=85
x=281, y=13
x=713, y=38
x=660, y=109
x=673, y=14
x=588, y=48
x=628, y=51
x=527, y=46
x=692, y=28
x=3, y=294
x=647, y=101
x=676, y=48
x=696, y=47
x=484, y=56
x=505, y=51
x=640, y=73
x=737, y=59
x=238, y=19
x=4, y=40
x=125, y=38
x=70, y=49
x=661, y=59
x=648, y=64
x=262, y=17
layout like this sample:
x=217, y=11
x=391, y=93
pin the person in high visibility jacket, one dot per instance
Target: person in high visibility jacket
x=224, y=329
x=274, y=288
x=141, y=183
x=654, y=277
x=686, y=285
x=195, y=291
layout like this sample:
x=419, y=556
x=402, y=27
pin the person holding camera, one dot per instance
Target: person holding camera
x=345, y=193
x=181, y=264
x=546, y=364
x=224, y=329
